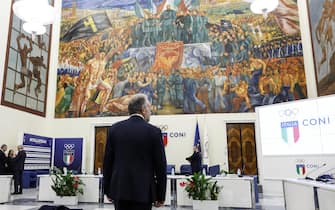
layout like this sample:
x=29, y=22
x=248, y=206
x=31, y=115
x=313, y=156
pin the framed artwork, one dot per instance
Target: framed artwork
x=26, y=69
x=188, y=57
x=322, y=34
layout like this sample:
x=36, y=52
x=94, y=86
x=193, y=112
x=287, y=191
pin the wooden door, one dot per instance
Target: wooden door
x=100, y=143
x=242, y=148
x=234, y=147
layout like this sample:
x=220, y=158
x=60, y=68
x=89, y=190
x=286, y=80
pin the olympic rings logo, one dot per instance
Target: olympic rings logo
x=163, y=127
x=288, y=112
x=69, y=146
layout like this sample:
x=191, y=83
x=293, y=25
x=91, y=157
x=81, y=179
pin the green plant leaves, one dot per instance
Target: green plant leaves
x=66, y=184
x=200, y=187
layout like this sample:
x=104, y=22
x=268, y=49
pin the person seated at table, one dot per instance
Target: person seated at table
x=195, y=160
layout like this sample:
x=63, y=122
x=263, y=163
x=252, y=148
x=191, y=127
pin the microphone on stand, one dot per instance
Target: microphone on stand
x=331, y=169
x=325, y=176
x=312, y=171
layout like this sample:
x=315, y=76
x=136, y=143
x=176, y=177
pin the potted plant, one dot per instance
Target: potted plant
x=67, y=186
x=202, y=191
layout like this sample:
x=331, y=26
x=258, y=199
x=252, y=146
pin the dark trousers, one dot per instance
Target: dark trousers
x=131, y=205
x=18, y=181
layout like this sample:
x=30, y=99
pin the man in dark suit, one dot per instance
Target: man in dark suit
x=195, y=160
x=18, y=169
x=135, y=163
x=3, y=159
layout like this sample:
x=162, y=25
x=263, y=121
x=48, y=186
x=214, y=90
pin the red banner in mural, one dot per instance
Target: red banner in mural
x=169, y=55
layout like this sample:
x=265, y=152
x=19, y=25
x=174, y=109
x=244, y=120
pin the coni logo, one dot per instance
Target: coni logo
x=289, y=124
x=300, y=169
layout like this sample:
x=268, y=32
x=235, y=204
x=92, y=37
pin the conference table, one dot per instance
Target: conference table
x=93, y=189
x=308, y=194
x=5, y=183
x=238, y=192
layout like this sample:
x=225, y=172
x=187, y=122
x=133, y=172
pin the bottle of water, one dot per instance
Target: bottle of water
x=238, y=172
x=64, y=170
x=172, y=171
x=204, y=171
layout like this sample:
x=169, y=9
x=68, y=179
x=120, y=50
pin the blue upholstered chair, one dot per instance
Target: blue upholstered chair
x=214, y=170
x=185, y=169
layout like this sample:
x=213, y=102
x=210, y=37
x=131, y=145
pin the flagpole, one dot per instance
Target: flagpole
x=206, y=143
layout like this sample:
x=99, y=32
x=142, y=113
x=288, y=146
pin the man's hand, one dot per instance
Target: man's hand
x=110, y=199
x=158, y=203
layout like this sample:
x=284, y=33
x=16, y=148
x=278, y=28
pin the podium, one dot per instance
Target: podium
x=92, y=188
x=237, y=191
x=5, y=183
x=308, y=195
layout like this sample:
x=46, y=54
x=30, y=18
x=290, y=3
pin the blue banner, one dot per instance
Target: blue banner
x=38, y=149
x=68, y=153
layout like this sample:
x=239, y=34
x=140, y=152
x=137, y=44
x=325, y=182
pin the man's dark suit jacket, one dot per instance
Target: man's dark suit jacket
x=195, y=160
x=3, y=160
x=19, y=161
x=135, y=163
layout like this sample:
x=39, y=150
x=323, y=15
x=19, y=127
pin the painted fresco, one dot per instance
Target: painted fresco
x=187, y=56
x=321, y=16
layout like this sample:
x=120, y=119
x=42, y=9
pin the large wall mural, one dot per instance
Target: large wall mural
x=187, y=56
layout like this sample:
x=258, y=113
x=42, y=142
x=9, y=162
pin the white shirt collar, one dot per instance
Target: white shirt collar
x=136, y=114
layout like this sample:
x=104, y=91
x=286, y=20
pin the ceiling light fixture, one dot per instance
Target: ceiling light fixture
x=35, y=14
x=33, y=28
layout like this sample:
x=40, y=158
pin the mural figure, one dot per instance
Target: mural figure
x=23, y=52
x=37, y=62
